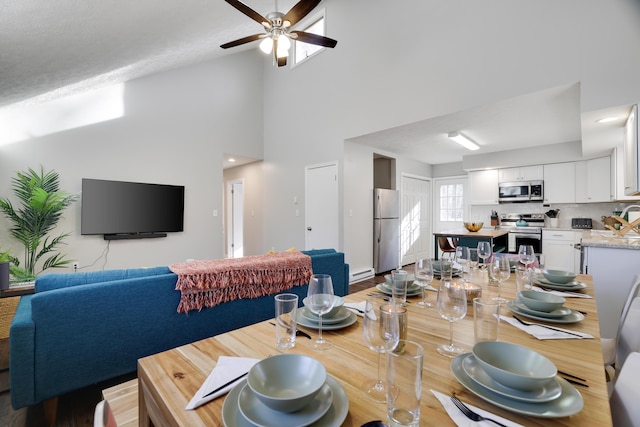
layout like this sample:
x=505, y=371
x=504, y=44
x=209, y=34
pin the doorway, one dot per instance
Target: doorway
x=321, y=206
x=235, y=207
x=415, y=225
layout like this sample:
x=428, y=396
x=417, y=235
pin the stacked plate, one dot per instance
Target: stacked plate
x=338, y=318
x=559, y=280
x=437, y=267
x=543, y=306
x=533, y=387
x=288, y=391
x=413, y=288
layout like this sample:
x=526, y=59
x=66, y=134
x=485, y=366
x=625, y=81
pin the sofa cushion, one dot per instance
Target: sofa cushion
x=50, y=281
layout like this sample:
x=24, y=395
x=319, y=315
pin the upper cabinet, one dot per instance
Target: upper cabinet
x=617, y=176
x=524, y=173
x=560, y=183
x=593, y=180
x=483, y=187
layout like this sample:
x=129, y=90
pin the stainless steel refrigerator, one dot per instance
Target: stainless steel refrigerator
x=386, y=230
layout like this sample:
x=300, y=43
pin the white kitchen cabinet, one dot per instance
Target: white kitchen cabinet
x=593, y=180
x=560, y=183
x=617, y=176
x=560, y=253
x=613, y=271
x=523, y=173
x=483, y=187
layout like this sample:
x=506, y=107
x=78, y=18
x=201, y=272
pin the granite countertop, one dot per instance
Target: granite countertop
x=606, y=239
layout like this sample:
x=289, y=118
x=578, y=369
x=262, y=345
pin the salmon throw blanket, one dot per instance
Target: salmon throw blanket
x=209, y=283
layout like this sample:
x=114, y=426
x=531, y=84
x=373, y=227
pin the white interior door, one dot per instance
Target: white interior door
x=415, y=223
x=321, y=206
x=235, y=214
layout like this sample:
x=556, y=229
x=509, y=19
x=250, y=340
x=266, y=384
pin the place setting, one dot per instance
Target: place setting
x=559, y=280
x=413, y=288
x=337, y=317
x=516, y=378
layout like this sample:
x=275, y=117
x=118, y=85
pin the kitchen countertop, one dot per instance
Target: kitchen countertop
x=463, y=232
x=606, y=239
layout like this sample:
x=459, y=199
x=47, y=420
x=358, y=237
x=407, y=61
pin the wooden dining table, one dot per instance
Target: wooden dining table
x=167, y=381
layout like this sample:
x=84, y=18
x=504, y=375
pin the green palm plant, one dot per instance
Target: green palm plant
x=41, y=206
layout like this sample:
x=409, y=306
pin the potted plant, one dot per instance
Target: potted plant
x=41, y=206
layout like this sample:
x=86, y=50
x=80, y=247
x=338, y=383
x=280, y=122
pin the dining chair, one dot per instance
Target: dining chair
x=103, y=416
x=625, y=410
x=615, y=350
x=447, y=247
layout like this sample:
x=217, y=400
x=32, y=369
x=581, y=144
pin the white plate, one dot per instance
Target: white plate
x=350, y=320
x=340, y=316
x=570, y=401
x=574, y=317
x=411, y=288
x=472, y=368
x=561, y=312
x=572, y=286
x=337, y=413
x=387, y=291
x=261, y=415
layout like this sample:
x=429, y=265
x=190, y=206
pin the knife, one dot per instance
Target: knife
x=225, y=385
x=298, y=332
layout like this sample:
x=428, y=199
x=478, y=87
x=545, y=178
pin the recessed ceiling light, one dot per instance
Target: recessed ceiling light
x=463, y=140
x=231, y=159
x=607, y=119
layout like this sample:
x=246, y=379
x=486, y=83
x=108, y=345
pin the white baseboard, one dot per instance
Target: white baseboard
x=359, y=276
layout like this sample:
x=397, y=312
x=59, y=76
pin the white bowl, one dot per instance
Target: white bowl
x=337, y=305
x=410, y=278
x=540, y=301
x=513, y=365
x=559, y=276
x=286, y=382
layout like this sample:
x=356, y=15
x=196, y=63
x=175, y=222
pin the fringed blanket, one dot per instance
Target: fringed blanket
x=209, y=283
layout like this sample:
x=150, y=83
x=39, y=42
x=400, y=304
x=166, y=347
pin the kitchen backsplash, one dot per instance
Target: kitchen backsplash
x=595, y=211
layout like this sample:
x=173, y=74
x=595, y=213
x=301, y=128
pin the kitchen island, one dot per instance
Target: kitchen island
x=497, y=237
x=613, y=262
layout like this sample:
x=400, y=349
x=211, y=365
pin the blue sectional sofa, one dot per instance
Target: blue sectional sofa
x=82, y=328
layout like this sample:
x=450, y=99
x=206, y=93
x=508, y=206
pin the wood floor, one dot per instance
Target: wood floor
x=75, y=408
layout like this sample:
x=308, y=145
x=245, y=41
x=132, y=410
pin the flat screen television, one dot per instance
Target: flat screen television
x=130, y=210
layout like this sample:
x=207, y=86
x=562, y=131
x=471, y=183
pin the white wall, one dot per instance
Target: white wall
x=438, y=58
x=175, y=129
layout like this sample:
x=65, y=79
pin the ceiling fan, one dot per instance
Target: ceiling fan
x=277, y=37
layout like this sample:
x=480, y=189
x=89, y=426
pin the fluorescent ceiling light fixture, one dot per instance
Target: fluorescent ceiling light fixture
x=232, y=160
x=463, y=140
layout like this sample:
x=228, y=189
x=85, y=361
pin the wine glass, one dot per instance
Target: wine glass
x=527, y=256
x=452, y=305
x=500, y=270
x=463, y=258
x=381, y=333
x=320, y=301
x=484, y=251
x=424, y=277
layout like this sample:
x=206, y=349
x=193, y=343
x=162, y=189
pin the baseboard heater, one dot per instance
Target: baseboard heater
x=361, y=275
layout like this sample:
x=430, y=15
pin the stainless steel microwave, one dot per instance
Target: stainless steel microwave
x=521, y=191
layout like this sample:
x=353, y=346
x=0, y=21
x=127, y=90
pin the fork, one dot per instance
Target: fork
x=470, y=414
x=545, y=326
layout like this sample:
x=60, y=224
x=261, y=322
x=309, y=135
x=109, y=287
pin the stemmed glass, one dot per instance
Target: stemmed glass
x=452, y=305
x=424, y=277
x=527, y=256
x=381, y=335
x=484, y=251
x=500, y=270
x=320, y=301
x=463, y=258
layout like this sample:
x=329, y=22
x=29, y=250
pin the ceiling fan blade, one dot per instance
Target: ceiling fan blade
x=249, y=12
x=242, y=41
x=314, y=39
x=299, y=11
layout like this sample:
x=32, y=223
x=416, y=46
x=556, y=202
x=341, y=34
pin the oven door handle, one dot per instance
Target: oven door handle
x=527, y=235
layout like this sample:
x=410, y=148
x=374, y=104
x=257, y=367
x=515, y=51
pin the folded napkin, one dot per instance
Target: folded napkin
x=462, y=421
x=358, y=307
x=562, y=293
x=227, y=369
x=543, y=333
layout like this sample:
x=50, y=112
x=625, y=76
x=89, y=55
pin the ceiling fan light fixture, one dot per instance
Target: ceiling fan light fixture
x=266, y=45
x=283, y=46
x=463, y=140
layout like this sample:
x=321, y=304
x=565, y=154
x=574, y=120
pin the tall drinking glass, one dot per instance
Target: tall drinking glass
x=484, y=252
x=452, y=305
x=381, y=333
x=463, y=258
x=320, y=301
x=500, y=270
x=424, y=277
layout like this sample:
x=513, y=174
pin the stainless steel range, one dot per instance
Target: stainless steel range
x=524, y=229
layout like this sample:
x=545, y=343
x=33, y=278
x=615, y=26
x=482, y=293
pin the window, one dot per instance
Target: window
x=451, y=202
x=303, y=51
